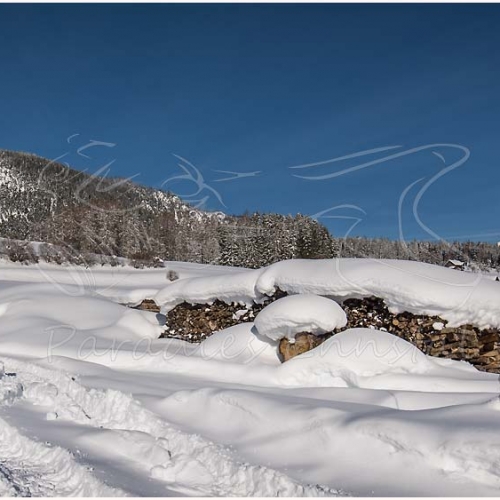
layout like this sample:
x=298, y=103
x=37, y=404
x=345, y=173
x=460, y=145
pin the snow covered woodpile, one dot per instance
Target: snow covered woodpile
x=431, y=334
x=442, y=312
x=460, y=298
x=196, y=322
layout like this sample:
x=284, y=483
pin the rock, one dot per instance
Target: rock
x=303, y=342
x=172, y=275
x=148, y=305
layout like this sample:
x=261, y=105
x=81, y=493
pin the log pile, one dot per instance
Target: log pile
x=196, y=322
x=430, y=334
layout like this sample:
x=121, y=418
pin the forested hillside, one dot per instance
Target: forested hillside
x=83, y=215
x=476, y=254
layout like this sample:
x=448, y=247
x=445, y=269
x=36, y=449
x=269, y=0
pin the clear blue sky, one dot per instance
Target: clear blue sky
x=248, y=88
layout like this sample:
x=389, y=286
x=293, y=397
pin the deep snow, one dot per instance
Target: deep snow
x=93, y=403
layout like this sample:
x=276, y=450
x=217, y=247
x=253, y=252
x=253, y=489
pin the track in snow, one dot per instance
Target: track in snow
x=30, y=468
x=186, y=463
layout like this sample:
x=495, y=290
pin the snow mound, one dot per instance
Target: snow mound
x=373, y=359
x=352, y=355
x=299, y=313
x=238, y=344
x=54, y=323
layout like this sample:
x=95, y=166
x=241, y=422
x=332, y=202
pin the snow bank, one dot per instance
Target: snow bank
x=299, y=313
x=52, y=322
x=117, y=428
x=30, y=468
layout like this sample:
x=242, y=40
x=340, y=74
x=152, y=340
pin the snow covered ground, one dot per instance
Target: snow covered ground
x=93, y=403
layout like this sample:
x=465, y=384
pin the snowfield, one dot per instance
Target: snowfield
x=93, y=403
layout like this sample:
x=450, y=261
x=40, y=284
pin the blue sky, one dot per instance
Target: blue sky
x=261, y=88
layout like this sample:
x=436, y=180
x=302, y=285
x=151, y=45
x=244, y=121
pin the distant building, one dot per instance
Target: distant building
x=455, y=264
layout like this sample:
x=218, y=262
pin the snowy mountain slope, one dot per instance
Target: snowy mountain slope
x=88, y=214
x=28, y=181
x=87, y=387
